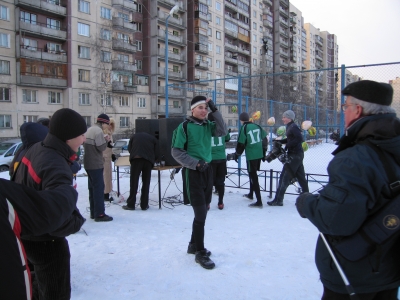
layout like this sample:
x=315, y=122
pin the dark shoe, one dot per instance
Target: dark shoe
x=221, y=206
x=256, y=205
x=126, y=207
x=248, y=196
x=103, y=218
x=204, y=260
x=145, y=208
x=275, y=203
x=92, y=217
x=192, y=249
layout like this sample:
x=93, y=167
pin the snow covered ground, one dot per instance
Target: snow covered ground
x=259, y=253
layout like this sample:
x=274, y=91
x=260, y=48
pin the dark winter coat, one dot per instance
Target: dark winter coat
x=357, y=182
x=143, y=145
x=293, y=139
x=24, y=211
x=46, y=166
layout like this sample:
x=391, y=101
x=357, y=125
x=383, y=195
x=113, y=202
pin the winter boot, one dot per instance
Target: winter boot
x=192, y=249
x=275, y=203
x=256, y=205
x=103, y=218
x=248, y=196
x=220, y=206
x=204, y=260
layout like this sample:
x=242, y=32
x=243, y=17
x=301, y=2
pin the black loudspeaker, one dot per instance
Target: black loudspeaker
x=167, y=127
x=150, y=126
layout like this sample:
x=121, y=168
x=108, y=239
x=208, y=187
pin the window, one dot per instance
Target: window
x=218, y=6
x=30, y=118
x=4, y=67
x=139, y=45
x=218, y=49
x=5, y=121
x=84, y=6
x=141, y=102
x=175, y=104
x=83, y=29
x=209, y=61
x=254, y=62
x=254, y=25
x=218, y=35
x=105, y=13
x=123, y=101
x=209, y=17
x=209, y=31
x=124, y=37
x=255, y=2
x=105, y=56
x=142, y=80
x=123, y=16
x=210, y=47
x=218, y=20
x=83, y=75
x=124, y=122
x=83, y=52
x=254, y=49
x=28, y=17
x=105, y=34
x=53, y=24
x=254, y=38
x=138, y=26
x=87, y=120
x=107, y=101
x=4, y=40
x=84, y=99
x=139, y=64
x=209, y=3
x=29, y=44
x=5, y=94
x=4, y=13
x=29, y=96
x=218, y=64
x=54, y=97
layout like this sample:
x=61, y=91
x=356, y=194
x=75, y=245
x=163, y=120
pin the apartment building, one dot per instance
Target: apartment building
x=114, y=57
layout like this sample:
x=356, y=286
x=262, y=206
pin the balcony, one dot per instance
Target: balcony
x=201, y=48
x=41, y=80
x=122, y=24
x=231, y=73
x=283, y=33
x=201, y=80
x=268, y=24
x=231, y=5
x=293, y=20
x=201, y=64
x=284, y=3
x=120, y=65
x=170, y=3
x=231, y=47
x=162, y=16
x=41, y=30
x=283, y=12
x=171, y=38
x=40, y=54
x=126, y=4
x=171, y=109
x=231, y=33
x=267, y=2
x=123, y=87
x=38, y=5
x=319, y=40
x=244, y=12
x=231, y=60
x=122, y=45
x=267, y=11
x=177, y=75
x=243, y=51
x=172, y=92
x=177, y=57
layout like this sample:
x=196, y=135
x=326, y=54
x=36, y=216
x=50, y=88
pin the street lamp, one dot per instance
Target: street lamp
x=316, y=101
x=173, y=10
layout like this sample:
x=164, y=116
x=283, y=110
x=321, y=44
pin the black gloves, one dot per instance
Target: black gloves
x=232, y=156
x=212, y=106
x=300, y=203
x=202, y=166
x=109, y=144
x=113, y=157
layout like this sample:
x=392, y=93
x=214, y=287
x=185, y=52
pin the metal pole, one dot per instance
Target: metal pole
x=316, y=105
x=166, y=66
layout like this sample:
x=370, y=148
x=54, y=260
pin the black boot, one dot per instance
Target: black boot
x=192, y=249
x=204, y=260
x=275, y=203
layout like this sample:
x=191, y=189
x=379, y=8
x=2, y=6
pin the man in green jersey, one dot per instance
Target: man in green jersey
x=218, y=163
x=191, y=147
x=253, y=140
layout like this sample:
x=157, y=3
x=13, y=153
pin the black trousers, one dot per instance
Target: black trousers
x=219, y=173
x=144, y=167
x=252, y=167
x=382, y=295
x=51, y=260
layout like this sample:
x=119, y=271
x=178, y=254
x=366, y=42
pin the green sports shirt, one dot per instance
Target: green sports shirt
x=218, y=146
x=252, y=140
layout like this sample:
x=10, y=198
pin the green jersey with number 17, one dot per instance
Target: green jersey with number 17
x=252, y=139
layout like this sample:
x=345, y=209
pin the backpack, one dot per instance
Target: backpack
x=381, y=226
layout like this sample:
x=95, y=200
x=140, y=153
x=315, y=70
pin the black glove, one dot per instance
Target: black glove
x=265, y=153
x=75, y=167
x=212, y=106
x=113, y=157
x=109, y=144
x=300, y=203
x=232, y=156
x=202, y=166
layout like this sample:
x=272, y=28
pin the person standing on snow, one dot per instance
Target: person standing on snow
x=191, y=147
x=357, y=187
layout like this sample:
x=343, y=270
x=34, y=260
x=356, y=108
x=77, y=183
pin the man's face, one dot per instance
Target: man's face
x=76, y=142
x=286, y=120
x=200, y=111
x=351, y=111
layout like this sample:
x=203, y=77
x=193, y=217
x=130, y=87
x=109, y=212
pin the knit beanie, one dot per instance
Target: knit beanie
x=370, y=91
x=289, y=114
x=196, y=101
x=244, y=116
x=67, y=124
x=103, y=118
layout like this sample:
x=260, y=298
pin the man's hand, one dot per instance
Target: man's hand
x=201, y=166
x=300, y=201
x=232, y=156
x=211, y=105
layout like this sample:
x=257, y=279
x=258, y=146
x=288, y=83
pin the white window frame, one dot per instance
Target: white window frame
x=28, y=118
x=139, y=64
x=83, y=75
x=141, y=102
x=218, y=6
x=83, y=52
x=4, y=40
x=5, y=94
x=218, y=34
x=88, y=120
x=54, y=97
x=108, y=101
x=217, y=20
x=218, y=64
x=105, y=34
x=105, y=56
x=5, y=120
x=139, y=45
x=4, y=67
x=53, y=24
x=124, y=101
x=4, y=13
x=124, y=122
x=105, y=13
x=83, y=29
x=84, y=98
x=84, y=6
x=29, y=96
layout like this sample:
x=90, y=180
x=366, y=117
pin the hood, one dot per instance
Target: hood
x=197, y=121
x=32, y=133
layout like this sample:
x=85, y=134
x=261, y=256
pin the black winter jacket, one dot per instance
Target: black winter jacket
x=46, y=166
x=293, y=139
x=357, y=187
x=143, y=145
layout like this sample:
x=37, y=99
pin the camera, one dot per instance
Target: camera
x=232, y=156
x=277, y=152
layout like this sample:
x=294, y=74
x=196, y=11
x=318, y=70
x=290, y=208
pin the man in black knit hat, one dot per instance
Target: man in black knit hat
x=96, y=143
x=46, y=166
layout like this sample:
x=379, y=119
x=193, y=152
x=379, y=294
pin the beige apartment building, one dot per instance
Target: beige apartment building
x=111, y=57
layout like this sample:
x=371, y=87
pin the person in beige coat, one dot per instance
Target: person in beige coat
x=108, y=156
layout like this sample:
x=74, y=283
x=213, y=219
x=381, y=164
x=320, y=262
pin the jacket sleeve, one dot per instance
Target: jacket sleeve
x=294, y=137
x=72, y=225
x=354, y=188
x=220, y=128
